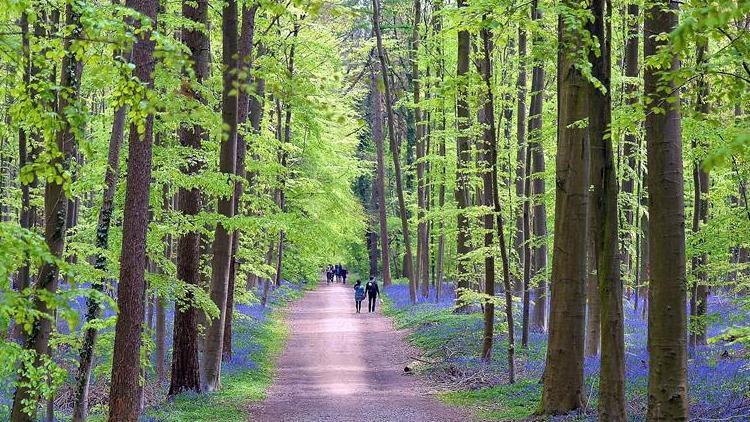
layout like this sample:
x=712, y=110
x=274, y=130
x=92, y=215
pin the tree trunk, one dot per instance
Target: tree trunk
x=24, y=157
x=606, y=229
x=377, y=137
x=526, y=218
x=488, y=164
x=563, y=375
x=55, y=212
x=243, y=100
x=701, y=183
x=593, y=321
x=539, y=212
x=522, y=236
x=422, y=276
x=222, y=245
x=667, y=337
x=409, y=260
x=126, y=368
x=437, y=24
x=185, y=367
x=93, y=306
x=631, y=144
x=463, y=157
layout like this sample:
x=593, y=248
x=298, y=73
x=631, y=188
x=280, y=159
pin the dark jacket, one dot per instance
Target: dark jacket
x=372, y=289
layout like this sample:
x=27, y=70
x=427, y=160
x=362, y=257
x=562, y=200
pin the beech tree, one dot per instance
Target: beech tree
x=667, y=337
x=126, y=373
x=563, y=376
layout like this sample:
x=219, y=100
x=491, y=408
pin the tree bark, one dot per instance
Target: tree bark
x=667, y=337
x=23, y=279
x=377, y=136
x=522, y=236
x=488, y=165
x=93, y=306
x=630, y=144
x=593, y=304
x=422, y=276
x=701, y=183
x=563, y=376
x=408, y=258
x=126, y=368
x=185, y=367
x=538, y=189
x=55, y=213
x=437, y=25
x=463, y=157
x=526, y=248
x=222, y=245
x=604, y=200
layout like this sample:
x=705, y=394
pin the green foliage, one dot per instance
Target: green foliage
x=502, y=402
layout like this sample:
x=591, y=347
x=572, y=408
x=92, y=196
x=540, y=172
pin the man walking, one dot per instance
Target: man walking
x=372, y=294
x=344, y=272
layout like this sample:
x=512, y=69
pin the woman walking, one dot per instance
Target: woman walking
x=359, y=294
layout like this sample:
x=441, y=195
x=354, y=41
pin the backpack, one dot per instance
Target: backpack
x=359, y=292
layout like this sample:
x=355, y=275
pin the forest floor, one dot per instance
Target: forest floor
x=343, y=366
x=717, y=373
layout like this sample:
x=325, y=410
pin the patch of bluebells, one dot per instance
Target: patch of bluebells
x=717, y=373
x=248, y=319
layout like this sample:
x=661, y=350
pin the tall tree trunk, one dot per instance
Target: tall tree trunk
x=377, y=136
x=522, y=236
x=606, y=223
x=631, y=143
x=283, y=157
x=667, y=337
x=185, y=367
x=539, y=212
x=497, y=210
x=526, y=248
x=126, y=367
x=408, y=258
x=701, y=182
x=488, y=165
x=437, y=25
x=222, y=245
x=463, y=156
x=93, y=306
x=422, y=276
x=563, y=376
x=24, y=157
x=55, y=213
x=244, y=49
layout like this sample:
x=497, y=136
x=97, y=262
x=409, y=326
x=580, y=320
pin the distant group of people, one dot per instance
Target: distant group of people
x=370, y=290
x=336, y=274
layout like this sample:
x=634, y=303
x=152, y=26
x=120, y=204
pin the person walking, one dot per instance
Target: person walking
x=372, y=294
x=359, y=294
x=344, y=272
x=329, y=274
x=337, y=272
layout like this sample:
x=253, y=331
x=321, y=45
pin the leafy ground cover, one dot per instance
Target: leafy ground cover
x=717, y=373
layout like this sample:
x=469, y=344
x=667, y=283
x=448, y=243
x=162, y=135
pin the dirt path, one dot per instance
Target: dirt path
x=343, y=366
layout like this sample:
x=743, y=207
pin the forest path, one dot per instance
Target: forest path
x=343, y=366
